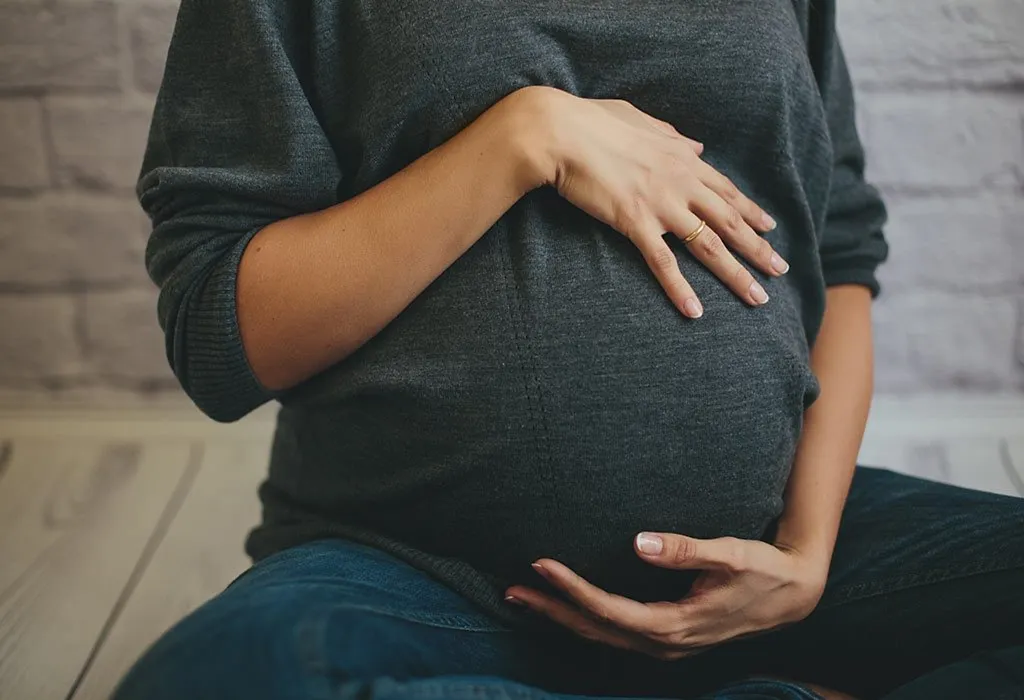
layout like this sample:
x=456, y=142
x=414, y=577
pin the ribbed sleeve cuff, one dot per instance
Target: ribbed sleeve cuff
x=219, y=378
x=864, y=276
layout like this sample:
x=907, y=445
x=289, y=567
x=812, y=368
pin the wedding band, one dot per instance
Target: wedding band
x=693, y=236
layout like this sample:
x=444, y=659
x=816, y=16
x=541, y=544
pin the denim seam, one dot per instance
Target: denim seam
x=460, y=623
x=871, y=589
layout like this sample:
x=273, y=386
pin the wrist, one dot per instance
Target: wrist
x=814, y=549
x=530, y=114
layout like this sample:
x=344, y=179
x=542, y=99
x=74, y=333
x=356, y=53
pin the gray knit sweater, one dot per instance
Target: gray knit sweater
x=542, y=397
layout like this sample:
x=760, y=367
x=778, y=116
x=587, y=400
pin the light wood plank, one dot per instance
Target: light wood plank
x=201, y=553
x=75, y=519
x=1013, y=461
x=884, y=451
x=979, y=463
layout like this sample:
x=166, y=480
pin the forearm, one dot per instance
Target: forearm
x=314, y=288
x=823, y=468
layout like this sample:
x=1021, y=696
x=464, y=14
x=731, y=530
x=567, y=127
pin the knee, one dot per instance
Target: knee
x=222, y=651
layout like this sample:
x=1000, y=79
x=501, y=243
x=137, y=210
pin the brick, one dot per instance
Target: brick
x=59, y=45
x=98, y=142
x=1020, y=338
x=955, y=244
x=150, y=29
x=928, y=341
x=123, y=340
x=23, y=160
x=38, y=340
x=56, y=240
x=933, y=41
x=945, y=141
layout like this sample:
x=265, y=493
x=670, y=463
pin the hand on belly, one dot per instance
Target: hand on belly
x=744, y=588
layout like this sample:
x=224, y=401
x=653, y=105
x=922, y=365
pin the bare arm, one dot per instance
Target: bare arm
x=366, y=259
x=833, y=426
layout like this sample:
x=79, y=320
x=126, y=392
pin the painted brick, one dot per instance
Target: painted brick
x=954, y=243
x=55, y=240
x=1020, y=340
x=944, y=141
x=933, y=41
x=59, y=45
x=150, y=29
x=944, y=341
x=38, y=341
x=123, y=340
x=98, y=142
x=23, y=159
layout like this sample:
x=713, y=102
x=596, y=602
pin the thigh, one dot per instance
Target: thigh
x=311, y=620
x=924, y=574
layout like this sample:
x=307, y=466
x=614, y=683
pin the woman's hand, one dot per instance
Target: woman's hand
x=639, y=175
x=747, y=587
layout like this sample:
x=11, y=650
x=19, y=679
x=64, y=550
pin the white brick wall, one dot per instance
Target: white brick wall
x=941, y=92
x=941, y=108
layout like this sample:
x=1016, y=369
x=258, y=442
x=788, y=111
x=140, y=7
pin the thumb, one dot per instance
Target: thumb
x=673, y=551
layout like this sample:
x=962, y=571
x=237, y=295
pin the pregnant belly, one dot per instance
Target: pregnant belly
x=544, y=399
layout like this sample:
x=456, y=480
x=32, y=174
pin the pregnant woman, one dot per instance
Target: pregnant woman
x=565, y=411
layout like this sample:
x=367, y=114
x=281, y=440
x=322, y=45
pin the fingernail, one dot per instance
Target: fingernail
x=648, y=543
x=693, y=308
x=512, y=599
x=768, y=222
x=540, y=569
x=758, y=294
x=779, y=265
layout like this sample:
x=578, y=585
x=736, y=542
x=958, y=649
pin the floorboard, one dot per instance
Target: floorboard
x=201, y=553
x=76, y=518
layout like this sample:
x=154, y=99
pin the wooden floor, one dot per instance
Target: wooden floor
x=115, y=525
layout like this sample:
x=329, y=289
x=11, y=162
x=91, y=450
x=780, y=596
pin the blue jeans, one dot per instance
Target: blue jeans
x=925, y=600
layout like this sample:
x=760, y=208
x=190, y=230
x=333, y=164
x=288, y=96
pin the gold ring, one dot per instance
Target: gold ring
x=693, y=236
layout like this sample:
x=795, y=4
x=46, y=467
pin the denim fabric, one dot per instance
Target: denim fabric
x=926, y=592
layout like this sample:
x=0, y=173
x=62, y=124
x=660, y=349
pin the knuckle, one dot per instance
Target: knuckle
x=741, y=278
x=711, y=245
x=685, y=551
x=601, y=613
x=629, y=214
x=736, y=555
x=682, y=162
x=730, y=192
x=663, y=260
x=764, y=252
x=733, y=222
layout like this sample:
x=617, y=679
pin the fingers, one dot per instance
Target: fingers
x=729, y=224
x=673, y=551
x=712, y=251
x=663, y=264
x=570, y=617
x=718, y=183
x=582, y=624
x=605, y=607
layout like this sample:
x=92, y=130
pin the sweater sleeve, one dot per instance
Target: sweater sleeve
x=852, y=245
x=234, y=145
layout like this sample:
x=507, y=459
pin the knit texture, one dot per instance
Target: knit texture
x=542, y=397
